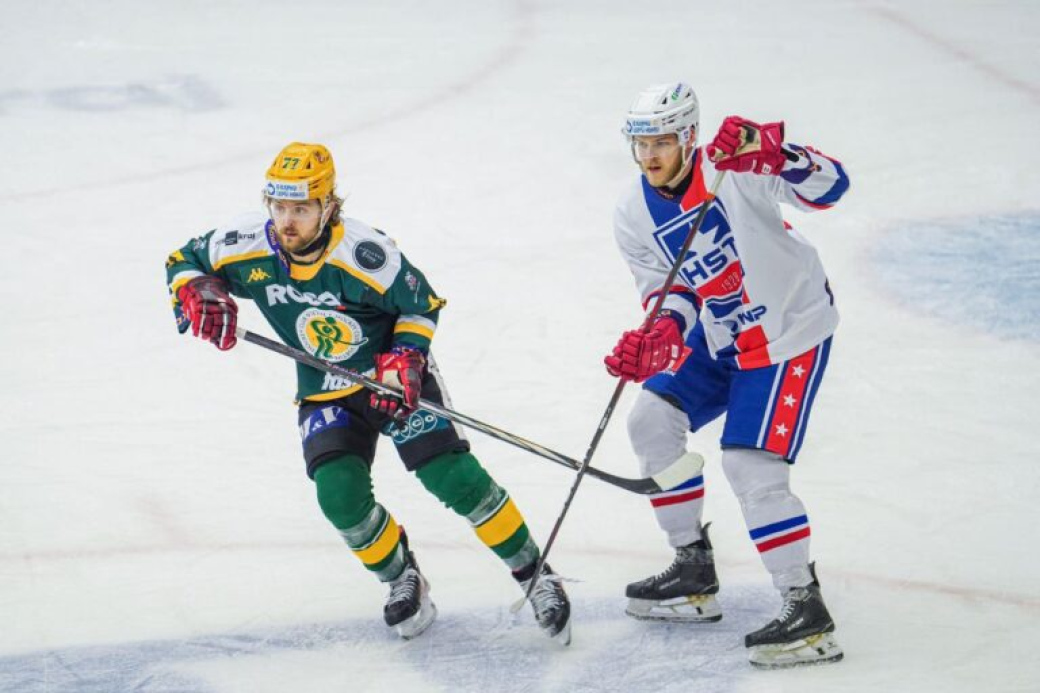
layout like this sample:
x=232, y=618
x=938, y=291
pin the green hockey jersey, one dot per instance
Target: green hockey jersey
x=360, y=298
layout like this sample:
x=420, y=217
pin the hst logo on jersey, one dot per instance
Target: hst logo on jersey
x=712, y=266
x=329, y=335
x=711, y=252
x=279, y=293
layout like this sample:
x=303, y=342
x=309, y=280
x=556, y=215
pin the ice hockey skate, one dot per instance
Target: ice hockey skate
x=409, y=609
x=552, y=608
x=685, y=592
x=803, y=633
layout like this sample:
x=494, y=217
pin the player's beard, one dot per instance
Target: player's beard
x=297, y=241
x=664, y=175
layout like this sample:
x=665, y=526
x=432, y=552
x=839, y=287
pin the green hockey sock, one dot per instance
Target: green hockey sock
x=458, y=481
x=344, y=488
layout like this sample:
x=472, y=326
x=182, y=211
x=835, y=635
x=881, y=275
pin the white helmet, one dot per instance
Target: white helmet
x=664, y=109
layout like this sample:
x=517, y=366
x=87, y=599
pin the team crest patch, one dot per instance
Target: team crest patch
x=329, y=335
x=370, y=256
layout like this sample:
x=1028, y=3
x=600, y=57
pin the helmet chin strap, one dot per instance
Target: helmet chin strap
x=683, y=170
x=320, y=240
x=326, y=210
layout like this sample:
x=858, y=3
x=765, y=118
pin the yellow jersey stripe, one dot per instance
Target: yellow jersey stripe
x=358, y=274
x=414, y=328
x=310, y=271
x=326, y=396
x=240, y=258
x=381, y=547
x=501, y=525
x=181, y=279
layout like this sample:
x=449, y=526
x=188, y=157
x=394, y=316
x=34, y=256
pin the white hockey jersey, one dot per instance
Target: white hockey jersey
x=755, y=284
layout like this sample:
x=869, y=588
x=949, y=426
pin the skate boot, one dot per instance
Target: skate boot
x=685, y=592
x=409, y=609
x=802, y=634
x=552, y=608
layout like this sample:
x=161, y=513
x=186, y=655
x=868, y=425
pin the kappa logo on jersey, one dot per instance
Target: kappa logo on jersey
x=257, y=274
x=279, y=293
x=329, y=335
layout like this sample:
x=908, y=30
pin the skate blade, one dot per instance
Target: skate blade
x=414, y=626
x=563, y=638
x=816, y=649
x=692, y=609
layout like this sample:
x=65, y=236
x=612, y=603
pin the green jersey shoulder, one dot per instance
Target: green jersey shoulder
x=360, y=298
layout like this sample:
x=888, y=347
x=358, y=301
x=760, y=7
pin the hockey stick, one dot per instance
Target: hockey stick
x=680, y=257
x=669, y=478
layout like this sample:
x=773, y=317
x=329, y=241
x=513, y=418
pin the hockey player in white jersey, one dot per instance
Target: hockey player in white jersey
x=745, y=331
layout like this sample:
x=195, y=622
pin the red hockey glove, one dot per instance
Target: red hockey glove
x=641, y=353
x=403, y=368
x=742, y=145
x=212, y=312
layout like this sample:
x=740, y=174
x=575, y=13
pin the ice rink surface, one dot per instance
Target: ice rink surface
x=157, y=532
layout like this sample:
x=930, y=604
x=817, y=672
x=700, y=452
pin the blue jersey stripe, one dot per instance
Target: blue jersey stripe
x=765, y=531
x=838, y=189
x=694, y=482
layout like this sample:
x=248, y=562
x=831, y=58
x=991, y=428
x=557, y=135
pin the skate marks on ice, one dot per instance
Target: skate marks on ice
x=186, y=93
x=980, y=271
x=477, y=650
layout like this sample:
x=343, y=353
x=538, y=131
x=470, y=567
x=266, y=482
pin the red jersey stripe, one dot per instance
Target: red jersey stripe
x=784, y=540
x=681, y=498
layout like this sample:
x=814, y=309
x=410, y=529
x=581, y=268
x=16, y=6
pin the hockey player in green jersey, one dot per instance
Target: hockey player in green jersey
x=344, y=293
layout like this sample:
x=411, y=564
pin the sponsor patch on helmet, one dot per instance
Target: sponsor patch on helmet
x=370, y=256
x=281, y=190
x=643, y=127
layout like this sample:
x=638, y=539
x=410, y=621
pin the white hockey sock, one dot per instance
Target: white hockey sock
x=775, y=517
x=657, y=431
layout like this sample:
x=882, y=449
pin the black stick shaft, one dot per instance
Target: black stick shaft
x=605, y=419
x=639, y=486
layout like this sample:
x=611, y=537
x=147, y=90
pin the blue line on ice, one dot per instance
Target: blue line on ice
x=983, y=272
x=477, y=650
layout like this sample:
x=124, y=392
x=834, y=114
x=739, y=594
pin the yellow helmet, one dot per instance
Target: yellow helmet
x=301, y=172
